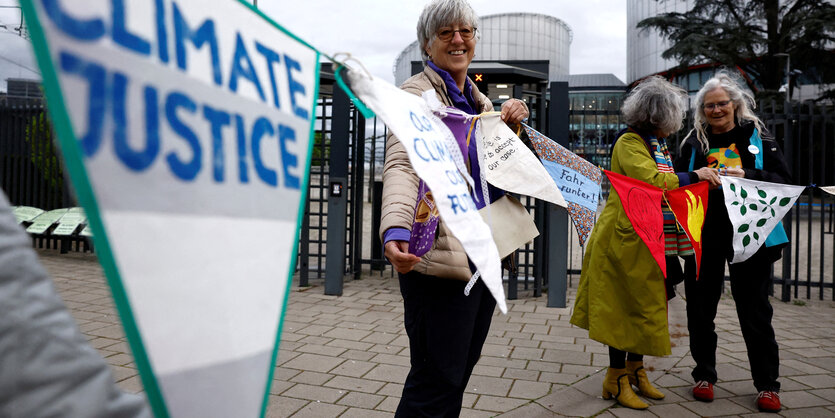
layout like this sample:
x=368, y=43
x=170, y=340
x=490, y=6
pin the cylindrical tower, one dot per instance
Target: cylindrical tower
x=510, y=36
x=644, y=47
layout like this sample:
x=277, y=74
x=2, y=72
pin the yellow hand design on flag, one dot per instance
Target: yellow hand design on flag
x=695, y=216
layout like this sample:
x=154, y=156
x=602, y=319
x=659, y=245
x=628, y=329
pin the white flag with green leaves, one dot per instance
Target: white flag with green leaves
x=755, y=208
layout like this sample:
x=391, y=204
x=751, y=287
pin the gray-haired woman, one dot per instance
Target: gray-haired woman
x=446, y=329
x=728, y=138
x=622, y=297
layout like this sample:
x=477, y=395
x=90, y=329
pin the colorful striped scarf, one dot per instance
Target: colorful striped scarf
x=675, y=240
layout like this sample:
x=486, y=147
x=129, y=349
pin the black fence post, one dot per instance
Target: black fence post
x=378, y=262
x=557, y=222
x=788, y=151
x=337, y=194
x=304, y=251
x=358, y=200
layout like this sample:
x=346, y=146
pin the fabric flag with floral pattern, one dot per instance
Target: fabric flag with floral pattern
x=755, y=208
x=689, y=205
x=577, y=179
x=642, y=204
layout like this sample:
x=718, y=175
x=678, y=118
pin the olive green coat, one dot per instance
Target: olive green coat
x=621, y=298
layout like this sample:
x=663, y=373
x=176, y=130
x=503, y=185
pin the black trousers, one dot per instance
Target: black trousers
x=750, y=282
x=446, y=333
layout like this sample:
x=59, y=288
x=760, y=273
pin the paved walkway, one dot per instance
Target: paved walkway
x=348, y=356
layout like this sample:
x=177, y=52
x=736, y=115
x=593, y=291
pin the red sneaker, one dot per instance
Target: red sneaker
x=703, y=391
x=768, y=401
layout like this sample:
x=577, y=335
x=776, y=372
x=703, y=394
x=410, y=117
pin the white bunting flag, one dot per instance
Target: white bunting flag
x=829, y=189
x=437, y=159
x=509, y=165
x=755, y=208
x=186, y=127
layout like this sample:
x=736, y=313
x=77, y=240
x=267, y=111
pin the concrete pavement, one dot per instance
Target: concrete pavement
x=348, y=356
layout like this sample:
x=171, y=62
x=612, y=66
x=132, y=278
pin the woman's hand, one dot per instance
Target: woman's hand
x=711, y=175
x=733, y=172
x=514, y=111
x=398, y=254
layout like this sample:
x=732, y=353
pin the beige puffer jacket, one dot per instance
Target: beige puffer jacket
x=447, y=258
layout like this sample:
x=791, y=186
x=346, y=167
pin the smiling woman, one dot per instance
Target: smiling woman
x=729, y=137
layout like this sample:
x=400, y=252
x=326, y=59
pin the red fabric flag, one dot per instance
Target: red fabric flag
x=689, y=204
x=642, y=204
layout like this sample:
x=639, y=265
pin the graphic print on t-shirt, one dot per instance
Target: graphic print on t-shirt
x=724, y=157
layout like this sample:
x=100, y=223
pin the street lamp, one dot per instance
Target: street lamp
x=788, y=75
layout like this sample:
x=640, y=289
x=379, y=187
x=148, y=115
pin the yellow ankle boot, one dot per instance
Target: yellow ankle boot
x=616, y=385
x=638, y=377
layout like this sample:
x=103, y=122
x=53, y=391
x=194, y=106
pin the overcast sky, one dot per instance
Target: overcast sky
x=375, y=31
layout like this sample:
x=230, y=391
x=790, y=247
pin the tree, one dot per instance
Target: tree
x=748, y=34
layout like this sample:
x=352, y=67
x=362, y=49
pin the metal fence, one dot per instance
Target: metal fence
x=348, y=152
x=339, y=148
x=30, y=170
x=808, y=139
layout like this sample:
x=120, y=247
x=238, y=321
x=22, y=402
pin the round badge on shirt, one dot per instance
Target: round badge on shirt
x=753, y=149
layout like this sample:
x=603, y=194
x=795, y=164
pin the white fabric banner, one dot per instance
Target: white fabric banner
x=755, y=208
x=509, y=165
x=829, y=189
x=186, y=131
x=433, y=154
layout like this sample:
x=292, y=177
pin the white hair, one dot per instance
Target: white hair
x=743, y=102
x=440, y=13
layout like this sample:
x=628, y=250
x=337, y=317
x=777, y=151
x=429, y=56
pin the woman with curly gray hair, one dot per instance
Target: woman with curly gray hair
x=728, y=138
x=622, y=297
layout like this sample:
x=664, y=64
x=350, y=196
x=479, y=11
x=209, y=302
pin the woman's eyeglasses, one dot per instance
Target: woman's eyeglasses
x=719, y=105
x=446, y=34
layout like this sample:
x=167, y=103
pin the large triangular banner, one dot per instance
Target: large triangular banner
x=510, y=165
x=755, y=208
x=642, y=204
x=186, y=133
x=577, y=179
x=689, y=205
x=829, y=189
x=437, y=159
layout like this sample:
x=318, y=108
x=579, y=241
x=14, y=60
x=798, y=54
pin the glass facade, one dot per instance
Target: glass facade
x=594, y=121
x=694, y=80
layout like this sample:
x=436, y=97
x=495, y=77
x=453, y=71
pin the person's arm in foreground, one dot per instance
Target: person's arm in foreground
x=47, y=369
